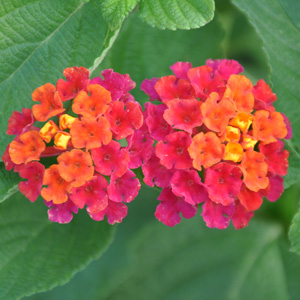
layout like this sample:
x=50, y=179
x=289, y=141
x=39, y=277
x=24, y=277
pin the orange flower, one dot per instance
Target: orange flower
x=90, y=133
x=51, y=104
x=216, y=114
x=48, y=131
x=28, y=148
x=255, y=169
x=94, y=105
x=268, y=127
x=58, y=189
x=234, y=152
x=205, y=149
x=75, y=166
x=239, y=89
x=242, y=121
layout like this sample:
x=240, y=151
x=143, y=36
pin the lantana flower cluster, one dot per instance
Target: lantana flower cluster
x=218, y=143
x=81, y=122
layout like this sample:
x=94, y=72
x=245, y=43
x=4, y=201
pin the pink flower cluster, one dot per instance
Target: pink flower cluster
x=217, y=144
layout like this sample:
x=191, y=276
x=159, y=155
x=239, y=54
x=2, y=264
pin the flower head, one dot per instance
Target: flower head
x=216, y=143
x=82, y=165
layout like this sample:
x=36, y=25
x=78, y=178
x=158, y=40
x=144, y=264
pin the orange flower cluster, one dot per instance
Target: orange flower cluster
x=80, y=119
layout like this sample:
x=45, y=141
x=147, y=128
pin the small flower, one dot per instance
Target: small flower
x=171, y=206
x=75, y=167
x=50, y=102
x=28, y=147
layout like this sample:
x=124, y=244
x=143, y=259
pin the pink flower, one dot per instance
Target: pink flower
x=110, y=159
x=225, y=67
x=157, y=125
x=92, y=194
x=19, y=121
x=241, y=216
x=114, y=212
x=34, y=173
x=223, y=182
x=124, y=188
x=139, y=147
x=124, y=118
x=216, y=215
x=118, y=84
x=187, y=184
x=174, y=153
x=148, y=86
x=61, y=213
x=180, y=69
x=168, y=211
x=264, y=97
x=204, y=82
x=155, y=173
x=184, y=114
x=276, y=157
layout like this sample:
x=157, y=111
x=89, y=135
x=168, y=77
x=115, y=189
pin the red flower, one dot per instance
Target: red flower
x=76, y=81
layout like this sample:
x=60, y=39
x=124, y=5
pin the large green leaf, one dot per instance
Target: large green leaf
x=36, y=254
x=38, y=39
x=281, y=36
x=115, y=11
x=145, y=52
x=177, y=14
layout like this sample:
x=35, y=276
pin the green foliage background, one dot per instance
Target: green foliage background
x=145, y=259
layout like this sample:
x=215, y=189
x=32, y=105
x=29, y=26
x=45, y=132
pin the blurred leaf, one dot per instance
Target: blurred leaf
x=282, y=44
x=38, y=39
x=292, y=8
x=115, y=11
x=36, y=254
x=8, y=183
x=191, y=261
x=294, y=233
x=145, y=52
x=177, y=14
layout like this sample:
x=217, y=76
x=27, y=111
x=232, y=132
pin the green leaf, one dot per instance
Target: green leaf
x=36, y=254
x=281, y=39
x=8, y=183
x=38, y=39
x=177, y=14
x=115, y=11
x=145, y=52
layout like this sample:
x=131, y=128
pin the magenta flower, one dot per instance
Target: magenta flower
x=170, y=208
